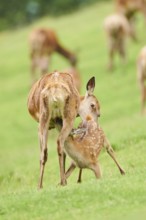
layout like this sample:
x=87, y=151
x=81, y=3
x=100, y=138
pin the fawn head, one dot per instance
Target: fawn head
x=89, y=105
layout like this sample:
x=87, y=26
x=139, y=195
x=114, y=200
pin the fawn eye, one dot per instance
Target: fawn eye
x=92, y=105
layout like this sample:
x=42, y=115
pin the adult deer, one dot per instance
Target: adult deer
x=129, y=8
x=141, y=75
x=85, y=143
x=43, y=43
x=117, y=31
x=53, y=102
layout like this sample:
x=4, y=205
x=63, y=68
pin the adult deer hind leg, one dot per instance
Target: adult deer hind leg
x=111, y=53
x=43, y=136
x=110, y=151
x=33, y=66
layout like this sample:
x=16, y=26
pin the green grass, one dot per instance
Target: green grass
x=112, y=197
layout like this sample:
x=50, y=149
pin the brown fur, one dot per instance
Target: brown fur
x=117, y=31
x=141, y=75
x=129, y=8
x=43, y=43
x=85, y=144
x=76, y=76
x=53, y=102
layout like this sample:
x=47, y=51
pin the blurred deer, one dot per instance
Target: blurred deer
x=129, y=8
x=53, y=102
x=117, y=30
x=76, y=76
x=141, y=75
x=43, y=43
x=85, y=143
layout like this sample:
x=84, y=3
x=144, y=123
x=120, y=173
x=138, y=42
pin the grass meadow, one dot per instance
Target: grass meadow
x=112, y=197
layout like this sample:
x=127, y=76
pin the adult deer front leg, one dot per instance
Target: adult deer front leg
x=43, y=136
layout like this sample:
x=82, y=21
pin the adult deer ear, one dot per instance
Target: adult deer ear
x=90, y=86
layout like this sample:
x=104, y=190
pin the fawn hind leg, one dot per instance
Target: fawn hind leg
x=97, y=171
x=70, y=170
x=110, y=151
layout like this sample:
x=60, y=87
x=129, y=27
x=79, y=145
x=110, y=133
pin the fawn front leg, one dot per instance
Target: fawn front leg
x=66, y=129
x=80, y=176
x=70, y=170
x=110, y=151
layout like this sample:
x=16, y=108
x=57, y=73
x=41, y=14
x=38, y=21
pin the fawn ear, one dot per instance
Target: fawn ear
x=90, y=86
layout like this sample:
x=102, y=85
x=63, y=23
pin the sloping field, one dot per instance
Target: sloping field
x=112, y=197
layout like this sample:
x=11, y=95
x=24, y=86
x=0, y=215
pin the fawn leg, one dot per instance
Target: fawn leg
x=97, y=171
x=70, y=170
x=110, y=151
x=66, y=129
x=80, y=176
x=43, y=136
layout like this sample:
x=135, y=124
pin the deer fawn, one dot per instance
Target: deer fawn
x=141, y=74
x=84, y=144
x=43, y=43
x=53, y=101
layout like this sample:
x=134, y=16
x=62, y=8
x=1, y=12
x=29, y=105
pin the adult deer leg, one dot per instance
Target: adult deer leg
x=33, y=67
x=43, y=136
x=122, y=52
x=110, y=151
x=111, y=56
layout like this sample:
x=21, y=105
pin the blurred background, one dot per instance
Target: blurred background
x=17, y=13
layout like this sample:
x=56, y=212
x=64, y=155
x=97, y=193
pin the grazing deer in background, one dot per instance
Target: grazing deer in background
x=117, y=30
x=53, y=102
x=43, y=42
x=141, y=74
x=129, y=8
x=84, y=144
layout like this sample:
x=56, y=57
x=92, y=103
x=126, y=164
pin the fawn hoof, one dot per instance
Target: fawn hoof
x=122, y=172
x=40, y=187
